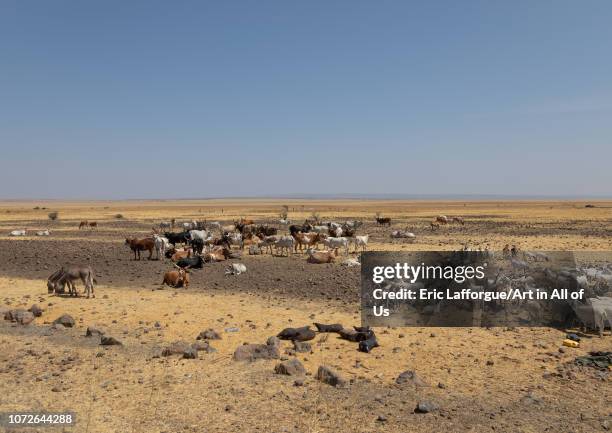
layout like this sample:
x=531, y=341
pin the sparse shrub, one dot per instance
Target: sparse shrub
x=37, y=208
x=53, y=215
x=118, y=216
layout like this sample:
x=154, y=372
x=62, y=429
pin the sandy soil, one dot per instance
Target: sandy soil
x=504, y=380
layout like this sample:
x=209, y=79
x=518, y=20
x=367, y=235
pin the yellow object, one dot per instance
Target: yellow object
x=571, y=343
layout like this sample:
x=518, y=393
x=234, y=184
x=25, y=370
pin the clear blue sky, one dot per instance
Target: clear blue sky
x=129, y=99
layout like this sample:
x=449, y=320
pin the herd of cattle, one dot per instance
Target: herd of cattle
x=200, y=242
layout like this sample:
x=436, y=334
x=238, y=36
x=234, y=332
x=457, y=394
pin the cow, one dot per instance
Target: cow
x=284, y=221
x=285, y=243
x=18, y=233
x=320, y=257
x=320, y=229
x=336, y=242
x=307, y=239
x=246, y=221
x=193, y=262
x=235, y=269
x=198, y=234
x=83, y=224
x=457, y=219
x=264, y=230
x=304, y=228
x=355, y=224
x=434, y=225
x=217, y=254
x=93, y=224
x=177, y=278
x=161, y=245
x=383, y=221
x=403, y=234
x=335, y=232
x=175, y=238
x=67, y=275
x=360, y=241
x=180, y=254
x=165, y=226
x=138, y=245
x=214, y=225
x=269, y=241
x=251, y=240
x=43, y=233
x=233, y=239
x=441, y=219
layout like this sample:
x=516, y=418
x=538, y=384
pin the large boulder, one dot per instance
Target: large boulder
x=410, y=377
x=36, y=310
x=107, y=340
x=209, y=334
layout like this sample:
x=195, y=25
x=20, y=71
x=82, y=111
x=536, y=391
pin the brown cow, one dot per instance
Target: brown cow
x=93, y=225
x=442, y=219
x=319, y=257
x=138, y=245
x=434, y=225
x=383, y=221
x=308, y=239
x=83, y=224
x=458, y=220
x=177, y=278
x=180, y=254
x=217, y=254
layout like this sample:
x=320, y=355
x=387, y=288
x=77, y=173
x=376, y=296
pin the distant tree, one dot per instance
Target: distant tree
x=118, y=216
x=53, y=215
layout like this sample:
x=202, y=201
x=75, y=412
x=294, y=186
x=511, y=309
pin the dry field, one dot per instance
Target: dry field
x=501, y=380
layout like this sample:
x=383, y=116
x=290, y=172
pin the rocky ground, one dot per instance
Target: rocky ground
x=419, y=379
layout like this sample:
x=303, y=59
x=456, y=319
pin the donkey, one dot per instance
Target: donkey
x=67, y=275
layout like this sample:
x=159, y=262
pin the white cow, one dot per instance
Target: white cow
x=337, y=242
x=162, y=244
x=18, y=233
x=285, y=243
x=190, y=225
x=43, y=233
x=320, y=229
x=351, y=262
x=214, y=225
x=198, y=234
x=403, y=234
x=165, y=225
x=235, y=269
x=360, y=241
x=284, y=221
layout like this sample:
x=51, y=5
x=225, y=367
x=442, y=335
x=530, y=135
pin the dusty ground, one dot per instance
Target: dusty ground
x=490, y=380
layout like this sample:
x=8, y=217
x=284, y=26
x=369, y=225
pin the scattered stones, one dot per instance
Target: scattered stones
x=110, y=341
x=410, y=377
x=426, y=407
x=35, y=310
x=190, y=353
x=232, y=329
x=19, y=315
x=252, y=352
x=175, y=348
x=93, y=331
x=209, y=334
x=273, y=341
x=65, y=320
x=301, y=346
x=292, y=367
x=327, y=375
x=203, y=346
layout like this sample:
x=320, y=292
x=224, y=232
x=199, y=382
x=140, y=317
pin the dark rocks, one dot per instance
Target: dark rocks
x=327, y=375
x=302, y=347
x=20, y=316
x=335, y=327
x=355, y=335
x=190, y=353
x=65, y=320
x=369, y=344
x=93, y=331
x=297, y=334
x=292, y=367
x=273, y=341
x=109, y=341
x=175, y=348
x=35, y=310
x=426, y=407
x=410, y=377
x=209, y=334
x=203, y=346
x=252, y=352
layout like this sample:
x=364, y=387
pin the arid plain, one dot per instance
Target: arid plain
x=501, y=380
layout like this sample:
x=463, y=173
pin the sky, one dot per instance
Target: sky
x=195, y=99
